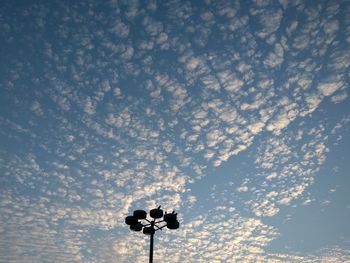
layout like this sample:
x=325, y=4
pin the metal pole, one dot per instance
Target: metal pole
x=151, y=250
x=151, y=243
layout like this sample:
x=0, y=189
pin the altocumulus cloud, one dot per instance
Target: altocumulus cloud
x=223, y=110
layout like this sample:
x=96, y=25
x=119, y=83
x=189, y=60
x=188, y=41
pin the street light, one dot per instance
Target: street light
x=159, y=221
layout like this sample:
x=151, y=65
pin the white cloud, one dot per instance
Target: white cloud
x=242, y=189
x=181, y=113
x=90, y=106
x=327, y=89
x=257, y=127
x=120, y=29
x=230, y=82
x=283, y=119
x=36, y=108
x=313, y=101
x=337, y=98
x=330, y=27
x=275, y=58
x=192, y=63
x=270, y=21
x=117, y=91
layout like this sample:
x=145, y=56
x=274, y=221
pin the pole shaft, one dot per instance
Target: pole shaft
x=151, y=249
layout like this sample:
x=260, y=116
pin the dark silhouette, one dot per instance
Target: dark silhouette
x=152, y=226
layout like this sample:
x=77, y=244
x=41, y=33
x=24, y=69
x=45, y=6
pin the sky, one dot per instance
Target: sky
x=234, y=113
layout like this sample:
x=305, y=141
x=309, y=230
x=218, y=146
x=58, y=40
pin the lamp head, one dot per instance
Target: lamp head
x=156, y=213
x=140, y=214
x=149, y=230
x=170, y=217
x=137, y=227
x=131, y=220
x=173, y=224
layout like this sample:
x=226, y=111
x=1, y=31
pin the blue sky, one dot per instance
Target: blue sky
x=234, y=113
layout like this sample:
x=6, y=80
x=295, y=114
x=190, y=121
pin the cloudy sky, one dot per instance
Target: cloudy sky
x=234, y=113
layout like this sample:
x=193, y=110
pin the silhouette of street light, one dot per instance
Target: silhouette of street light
x=164, y=220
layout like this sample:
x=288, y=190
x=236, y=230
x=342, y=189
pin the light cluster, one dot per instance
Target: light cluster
x=168, y=220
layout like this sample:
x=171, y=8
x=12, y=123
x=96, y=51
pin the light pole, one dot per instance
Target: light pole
x=151, y=226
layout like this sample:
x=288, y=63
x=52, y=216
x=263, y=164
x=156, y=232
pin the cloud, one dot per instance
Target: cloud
x=242, y=189
x=337, y=98
x=285, y=117
x=120, y=29
x=142, y=110
x=275, y=58
x=327, y=89
x=229, y=81
x=90, y=106
x=270, y=22
x=36, y=108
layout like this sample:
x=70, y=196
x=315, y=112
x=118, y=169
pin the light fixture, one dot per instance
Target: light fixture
x=159, y=221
